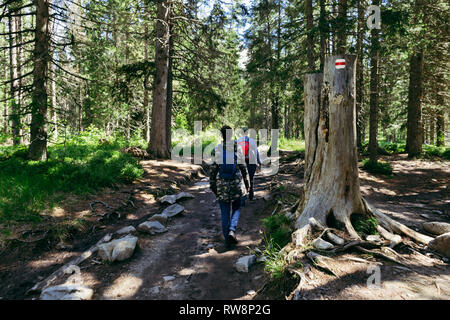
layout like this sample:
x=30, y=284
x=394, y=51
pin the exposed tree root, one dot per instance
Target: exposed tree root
x=395, y=226
x=381, y=255
x=319, y=261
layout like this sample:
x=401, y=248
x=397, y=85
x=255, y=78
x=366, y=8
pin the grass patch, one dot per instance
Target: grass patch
x=278, y=229
x=186, y=141
x=379, y=167
x=291, y=144
x=275, y=263
x=364, y=225
x=81, y=165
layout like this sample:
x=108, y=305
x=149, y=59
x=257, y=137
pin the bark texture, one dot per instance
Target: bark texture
x=158, y=145
x=374, y=93
x=14, y=75
x=38, y=143
x=415, y=131
x=332, y=189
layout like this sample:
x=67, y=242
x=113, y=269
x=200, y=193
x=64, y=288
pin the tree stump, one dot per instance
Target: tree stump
x=332, y=190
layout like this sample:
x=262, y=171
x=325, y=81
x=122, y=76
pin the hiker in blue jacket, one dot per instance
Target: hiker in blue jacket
x=229, y=182
x=251, y=154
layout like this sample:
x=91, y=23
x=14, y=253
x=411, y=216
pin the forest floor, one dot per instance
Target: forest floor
x=193, y=254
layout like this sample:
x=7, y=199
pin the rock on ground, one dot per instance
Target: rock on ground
x=67, y=292
x=152, y=227
x=441, y=244
x=321, y=244
x=173, y=210
x=170, y=199
x=243, y=264
x=183, y=194
x=168, y=278
x=373, y=238
x=335, y=239
x=161, y=218
x=118, y=250
x=126, y=230
x=437, y=228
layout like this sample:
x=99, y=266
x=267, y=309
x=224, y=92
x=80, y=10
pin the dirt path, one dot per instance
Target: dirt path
x=192, y=252
x=190, y=261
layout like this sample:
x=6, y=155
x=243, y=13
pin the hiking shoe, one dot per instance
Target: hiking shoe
x=232, y=237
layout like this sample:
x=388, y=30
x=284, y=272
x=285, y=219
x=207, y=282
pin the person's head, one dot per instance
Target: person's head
x=244, y=131
x=224, y=130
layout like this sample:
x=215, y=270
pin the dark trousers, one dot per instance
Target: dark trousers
x=251, y=168
x=230, y=216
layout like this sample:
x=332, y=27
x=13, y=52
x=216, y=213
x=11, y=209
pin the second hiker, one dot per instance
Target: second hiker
x=251, y=154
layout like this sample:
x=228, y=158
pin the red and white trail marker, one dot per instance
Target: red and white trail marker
x=340, y=63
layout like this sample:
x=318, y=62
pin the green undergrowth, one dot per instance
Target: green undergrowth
x=80, y=165
x=428, y=151
x=277, y=227
x=364, y=225
x=292, y=144
x=379, y=167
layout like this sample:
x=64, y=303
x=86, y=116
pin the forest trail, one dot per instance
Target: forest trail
x=192, y=252
x=190, y=261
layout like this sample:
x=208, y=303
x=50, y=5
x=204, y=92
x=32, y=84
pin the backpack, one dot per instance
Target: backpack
x=227, y=171
x=245, y=145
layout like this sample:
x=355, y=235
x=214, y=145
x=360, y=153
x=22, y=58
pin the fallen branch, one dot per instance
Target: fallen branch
x=38, y=287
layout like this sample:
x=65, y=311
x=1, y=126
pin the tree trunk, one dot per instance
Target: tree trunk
x=432, y=129
x=341, y=41
x=374, y=94
x=360, y=74
x=38, y=143
x=313, y=84
x=52, y=78
x=80, y=108
x=332, y=190
x=331, y=194
x=158, y=145
x=53, y=101
x=324, y=33
x=169, y=86
x=5, y=110
x=127, y=61
x=440, y=129
x=20, y=67
x=146, y=93
x=310, y=35
x=415, y=131
x=14, y=75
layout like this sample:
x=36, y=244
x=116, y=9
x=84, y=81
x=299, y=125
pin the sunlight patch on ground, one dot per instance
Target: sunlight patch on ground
x=52, y=259
x=58, y=212
x=124, y=287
